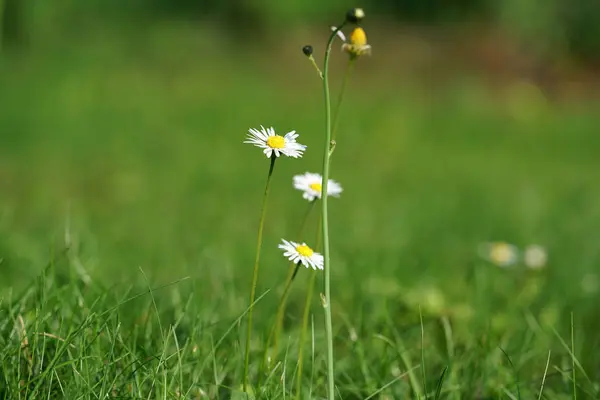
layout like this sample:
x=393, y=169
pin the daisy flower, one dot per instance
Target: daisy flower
x=535, y=257
x=272, y=143
x=311, y=185
x=301, y=253
x=500, y=253
x=357, y=45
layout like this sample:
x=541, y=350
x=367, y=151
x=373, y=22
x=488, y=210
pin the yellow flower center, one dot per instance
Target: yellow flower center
x=276, y=142
x=304, y=250
x=316, y=187
x=358, y=37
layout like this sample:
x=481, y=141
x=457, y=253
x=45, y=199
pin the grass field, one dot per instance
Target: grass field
x=122, y=169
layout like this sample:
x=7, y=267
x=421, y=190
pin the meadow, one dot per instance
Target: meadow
x=129, y=209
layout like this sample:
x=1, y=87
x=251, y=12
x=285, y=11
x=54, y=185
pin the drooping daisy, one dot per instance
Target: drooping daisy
x=275, y=144
x=500, y=253
x=357, y=45
x=301, y=253
x=311, y=185
x=535, y=257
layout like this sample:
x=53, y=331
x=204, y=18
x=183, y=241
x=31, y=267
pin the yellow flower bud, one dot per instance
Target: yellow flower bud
x=358, y=37
x=357, y=43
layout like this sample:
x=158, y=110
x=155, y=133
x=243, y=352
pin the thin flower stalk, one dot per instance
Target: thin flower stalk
x=276, y=330
x=336, y=118
x=261, y=224
x=305, y=315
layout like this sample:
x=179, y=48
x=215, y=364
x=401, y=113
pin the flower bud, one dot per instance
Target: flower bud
x=355, y=15
x=357, y=44
x=307, y=50
x=358, y=37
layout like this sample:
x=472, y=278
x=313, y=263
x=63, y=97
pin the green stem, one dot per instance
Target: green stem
x=277, y=326
x=314, y=63
x=336, y=117
x=2, y=7
x=324, y=216
x=275, y=331
x=288, y=283
x=309, y=292
x=261, y=224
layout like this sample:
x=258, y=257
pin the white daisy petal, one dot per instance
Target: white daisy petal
x=292, y=135
x=340, y=34
x=263, y=134
x=282, y=246
x=260, y=135
x=334, y=189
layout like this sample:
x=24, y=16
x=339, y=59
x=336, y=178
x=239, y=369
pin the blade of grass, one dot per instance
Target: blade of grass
x=545, y=374
x=390, y=383
x=440, y=384
x=514, y=371
x=423, y=375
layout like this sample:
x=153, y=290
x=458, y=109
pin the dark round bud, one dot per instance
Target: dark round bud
x=307, y=50
x=355, y=15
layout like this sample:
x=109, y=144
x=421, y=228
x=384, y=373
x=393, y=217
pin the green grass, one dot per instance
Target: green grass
x=129, y=153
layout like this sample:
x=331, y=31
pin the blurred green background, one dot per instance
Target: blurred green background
x=123, y=120
x=121, y=129
x=122, y=124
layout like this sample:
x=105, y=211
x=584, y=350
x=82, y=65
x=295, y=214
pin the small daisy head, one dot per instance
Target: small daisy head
x=357, y=44
x=301, y=253
x=500, y=253
x=535, y=257
x=275, y=145
x=355, y=15
x=312, y=184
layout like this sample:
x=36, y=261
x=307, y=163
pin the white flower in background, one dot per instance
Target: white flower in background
x=301, y=253
x=500, y=253
x=535, y=257
x=353, y=334
x=589, y=283
x=311, y=185
x=272, y=143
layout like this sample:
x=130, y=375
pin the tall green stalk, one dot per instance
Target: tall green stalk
x=324, y=216
x=313, y=276
x=261, y=225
